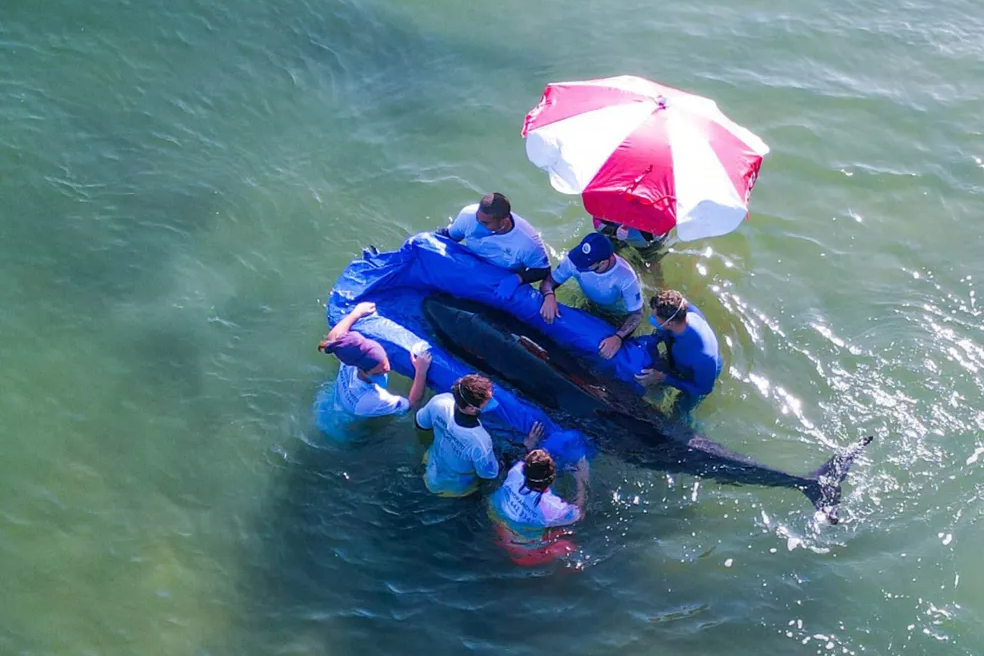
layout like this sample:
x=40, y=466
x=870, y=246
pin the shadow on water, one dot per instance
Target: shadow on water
x=146, y=138
x=385, y=51
x=354, y=554
x=357, y=555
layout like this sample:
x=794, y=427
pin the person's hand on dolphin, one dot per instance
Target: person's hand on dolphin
x=650, y=377
x=536, y=432
x=582, y=470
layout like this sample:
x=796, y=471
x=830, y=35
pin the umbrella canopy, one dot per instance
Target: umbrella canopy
x=645, y=155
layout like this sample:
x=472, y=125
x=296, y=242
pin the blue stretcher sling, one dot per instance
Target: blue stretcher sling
x=398, y=282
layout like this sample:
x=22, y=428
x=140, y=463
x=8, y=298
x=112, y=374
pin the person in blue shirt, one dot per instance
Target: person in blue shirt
x=692, y=360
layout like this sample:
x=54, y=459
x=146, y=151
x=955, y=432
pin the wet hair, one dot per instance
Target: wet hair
x=472, y=390
x=495, y=205
x=539, y=470
x=669, y=304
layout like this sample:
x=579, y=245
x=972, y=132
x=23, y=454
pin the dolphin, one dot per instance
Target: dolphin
x=609, y=411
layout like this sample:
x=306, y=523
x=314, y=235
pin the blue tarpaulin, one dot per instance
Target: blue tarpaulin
x=398, y=282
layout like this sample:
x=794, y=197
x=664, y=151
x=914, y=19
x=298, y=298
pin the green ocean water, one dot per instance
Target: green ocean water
x=182, y=182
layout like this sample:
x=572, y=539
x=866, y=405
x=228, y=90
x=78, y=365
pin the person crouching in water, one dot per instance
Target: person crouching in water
x=529, y=517
x=609, y=283
x=692, y=363
x=360, y=390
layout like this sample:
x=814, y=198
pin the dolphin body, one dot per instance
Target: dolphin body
x=611, y=412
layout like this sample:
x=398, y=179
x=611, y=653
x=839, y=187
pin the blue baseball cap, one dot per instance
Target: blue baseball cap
x=594, y=248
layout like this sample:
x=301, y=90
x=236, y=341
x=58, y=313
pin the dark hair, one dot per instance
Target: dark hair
x=669, y=303
x=472, y=390
x=495, y=205
x=539, y=470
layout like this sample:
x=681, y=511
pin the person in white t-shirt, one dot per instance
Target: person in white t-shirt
x=527, y=512
x=461, y=452
x=606, y=279
x=492, y=231
x=360, y=389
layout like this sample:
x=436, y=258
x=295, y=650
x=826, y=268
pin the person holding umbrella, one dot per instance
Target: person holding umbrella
x=607, y=280
x=641, y=240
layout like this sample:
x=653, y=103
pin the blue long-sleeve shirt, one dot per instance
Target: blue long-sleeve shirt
x=694, y=354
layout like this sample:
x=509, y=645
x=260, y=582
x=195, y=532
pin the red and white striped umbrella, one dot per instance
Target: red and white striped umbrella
x=645, y=155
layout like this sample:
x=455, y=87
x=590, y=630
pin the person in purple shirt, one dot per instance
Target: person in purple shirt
x=692, y=360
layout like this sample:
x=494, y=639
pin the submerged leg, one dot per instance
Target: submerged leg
x=686, y=403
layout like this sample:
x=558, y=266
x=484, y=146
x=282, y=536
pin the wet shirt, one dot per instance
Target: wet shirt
x=459, y=455
x=528, y=512
x=695, y=356
x=520, y=248
x=361, y=399
x=616, y=290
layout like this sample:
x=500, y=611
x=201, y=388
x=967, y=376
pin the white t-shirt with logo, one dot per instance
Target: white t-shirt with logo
x=519, y=248
x=459, y=456
x=357, y=397
x=616, y=290
x=524, y=509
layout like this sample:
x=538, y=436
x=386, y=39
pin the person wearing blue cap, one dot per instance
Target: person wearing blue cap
x=363, y=375
x=692, y=362
x=495, y=233
x=606, y=279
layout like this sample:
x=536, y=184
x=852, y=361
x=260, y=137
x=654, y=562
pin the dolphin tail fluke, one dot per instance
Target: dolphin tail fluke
x=824, y=487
